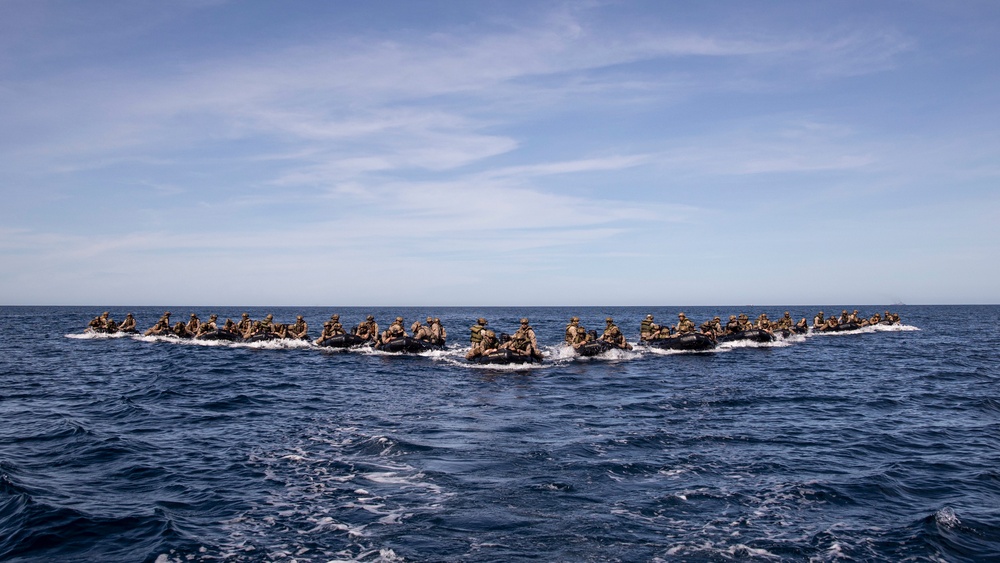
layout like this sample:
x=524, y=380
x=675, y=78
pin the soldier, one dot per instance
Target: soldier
x=299, y=330
x=763, y=323
x=417, y=329
x=802, y=326
x=732, y=326
x=245, y=324
x=230, y=326
x=574, y=322
x=818, y=321
x=647, y=328
x=580, y=337
x=128, y=323
x=110, y=326
x=209, y=326
x=853, y=317
x=193, y=324
x=327, y=332
x=267, y=325
x=166, y=317
x=875, y=319
x=786, y=321
x=280, y=330
x=181, y=330
x=712, y=327
x=256, y=328
x=684, y=324
x=487, y=344
x=613, y=335
x=664, y=331
x=335, y=325
x=523, y=341
x=422, y=332
x=831, y=323
x=744, y=322
x=97, y=323
x=844, y=317
x=368, y=329
x=395, y=330
x=476, y=331
x=438, y=334
x=161, y=327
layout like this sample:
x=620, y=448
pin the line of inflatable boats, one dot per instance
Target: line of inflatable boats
x=689, y=342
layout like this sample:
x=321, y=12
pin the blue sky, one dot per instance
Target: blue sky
x=499, y=153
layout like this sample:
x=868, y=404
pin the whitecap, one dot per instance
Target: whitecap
x=947, y=517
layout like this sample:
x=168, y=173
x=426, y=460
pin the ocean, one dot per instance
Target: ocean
x=877, y=445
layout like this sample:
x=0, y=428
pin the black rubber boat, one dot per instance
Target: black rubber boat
x=753, y=335
x=596, y=348
x=116, y=331
x=505, y=357
x=841, y=327
x=263, y=337
x=786, y=332
x=694, y=341
x=407, y=344
x=219, y=335
x=343, y=341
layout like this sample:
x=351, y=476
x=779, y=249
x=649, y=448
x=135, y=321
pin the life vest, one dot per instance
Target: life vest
x=476, y=335
x=646, y=327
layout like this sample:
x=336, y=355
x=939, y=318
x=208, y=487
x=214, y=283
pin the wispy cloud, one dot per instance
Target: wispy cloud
x=515, y=142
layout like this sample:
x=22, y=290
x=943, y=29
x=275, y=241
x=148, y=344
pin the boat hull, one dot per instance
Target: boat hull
x=343, y=341
x=505, y=357
x=686, y=342
x=753, y=335
x=219, y=335
x=407, y=345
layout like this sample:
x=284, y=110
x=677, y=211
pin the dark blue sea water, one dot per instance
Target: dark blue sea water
x=879, y=445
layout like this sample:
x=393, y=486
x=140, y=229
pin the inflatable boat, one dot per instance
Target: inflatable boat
x=219, y=335
x=597, y=347
x=694, y=341
x=262, y=337
x=504, y=356
x=343, y=341
x=841, y=327
x=753, y=335
x=407, y=344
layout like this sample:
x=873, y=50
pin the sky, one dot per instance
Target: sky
x=499, y=153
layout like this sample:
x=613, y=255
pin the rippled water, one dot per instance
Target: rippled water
x=880, y=445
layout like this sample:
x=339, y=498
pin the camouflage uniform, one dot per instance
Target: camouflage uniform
x=245, y=324
x=300, y=329
x=614, y=335
x=208, y=326
x=647, y=328
x=524, y=340
x=193, y=324
x=819, y=321
x=438, y=334
x=395, y=330
x=476, y=331
x=488, y=343
x=574, y=322
x=684, y=324
x=368, y=329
